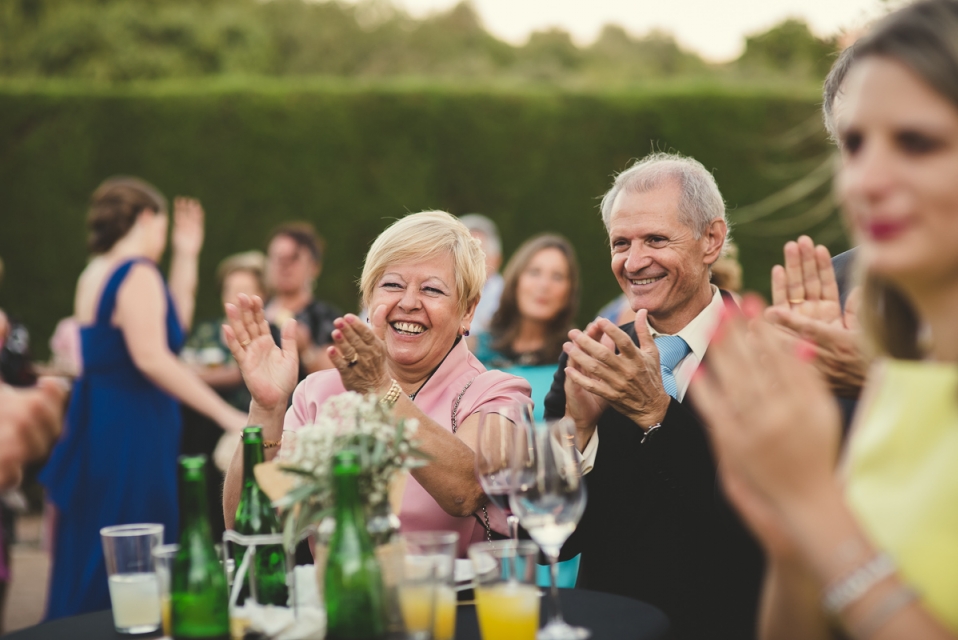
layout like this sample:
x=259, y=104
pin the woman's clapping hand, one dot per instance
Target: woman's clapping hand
x=359, y=352
x=270, y=372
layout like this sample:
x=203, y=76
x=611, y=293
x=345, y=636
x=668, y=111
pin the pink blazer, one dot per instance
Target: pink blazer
x=489, y=389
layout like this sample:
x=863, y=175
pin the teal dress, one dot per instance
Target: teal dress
x=539, y=377
x=116, y=461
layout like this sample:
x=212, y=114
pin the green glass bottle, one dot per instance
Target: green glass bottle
x=199, y=603
x=256, y=516
x=354, y=588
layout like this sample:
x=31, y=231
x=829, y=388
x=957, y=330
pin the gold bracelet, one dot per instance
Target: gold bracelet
x=271, y=444
x=392, y=395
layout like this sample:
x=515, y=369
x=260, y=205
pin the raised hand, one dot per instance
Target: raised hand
x=188, y=218
x=631, y=380
x=359, y=352
x=805, y=303
x=270, y=372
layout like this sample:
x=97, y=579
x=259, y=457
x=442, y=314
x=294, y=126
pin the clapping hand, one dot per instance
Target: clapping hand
x=188, y=217
x=629, y=381
x=270, y=372
x=805, y=302
x=359, y=352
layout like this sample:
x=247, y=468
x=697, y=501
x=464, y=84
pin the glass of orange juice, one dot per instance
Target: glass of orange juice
x=426, y=594
x=507, y=598
x=163, y=562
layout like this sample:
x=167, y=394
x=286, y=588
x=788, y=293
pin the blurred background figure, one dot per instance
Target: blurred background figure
x=294, y=262
x=540, y=299
x=487, y=233
x=727, y=271
x=116, y=463
x=208, y=356
x=66, y=358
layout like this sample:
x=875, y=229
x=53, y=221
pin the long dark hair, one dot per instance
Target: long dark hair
x=507, y=319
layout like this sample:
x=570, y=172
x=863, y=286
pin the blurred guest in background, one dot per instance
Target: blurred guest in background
x=617, y=311
x=30, y=421
x=209, y=357
x=657, y=527
x=65, y=357
x=877, y=545
x=727, y=271
x=487, y=233
x=116, y=463
x=540, y=299
x=421, y=280
x=294, y=262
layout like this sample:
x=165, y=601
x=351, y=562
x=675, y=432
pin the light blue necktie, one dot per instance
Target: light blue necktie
x=671, y=351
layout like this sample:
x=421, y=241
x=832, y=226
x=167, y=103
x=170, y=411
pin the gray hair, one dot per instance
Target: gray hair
x=488, y=228
x=832, y=87
x=701, y=200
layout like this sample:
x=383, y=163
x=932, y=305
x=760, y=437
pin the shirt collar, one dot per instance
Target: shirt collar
x=698, y=333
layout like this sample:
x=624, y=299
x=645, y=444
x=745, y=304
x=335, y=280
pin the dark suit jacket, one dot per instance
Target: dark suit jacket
x=657, y=528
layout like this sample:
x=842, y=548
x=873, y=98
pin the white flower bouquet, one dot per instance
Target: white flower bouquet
x=384, y=444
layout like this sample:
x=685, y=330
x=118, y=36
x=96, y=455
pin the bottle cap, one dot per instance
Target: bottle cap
x=252, y=434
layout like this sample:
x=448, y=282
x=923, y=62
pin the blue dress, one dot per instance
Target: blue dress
x=539, y=377
x=116, y=462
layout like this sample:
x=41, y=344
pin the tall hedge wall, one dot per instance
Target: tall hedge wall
x=353, y=159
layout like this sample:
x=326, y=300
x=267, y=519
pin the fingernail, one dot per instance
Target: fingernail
x=338, y=323
x=350, y=318
x=337, y=335
x=805, y=350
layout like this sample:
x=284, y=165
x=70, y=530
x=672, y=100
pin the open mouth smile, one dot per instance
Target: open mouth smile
x=641, y=281
x=408, y=328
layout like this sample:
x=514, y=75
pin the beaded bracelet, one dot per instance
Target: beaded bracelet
x=270, y=444
x=850, y=588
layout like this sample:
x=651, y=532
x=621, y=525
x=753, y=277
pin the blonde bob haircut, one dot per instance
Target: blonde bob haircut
x=425, y=236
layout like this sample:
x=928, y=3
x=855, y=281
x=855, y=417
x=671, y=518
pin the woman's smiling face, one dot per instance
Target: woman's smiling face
x=899, y=182
x=422, y=312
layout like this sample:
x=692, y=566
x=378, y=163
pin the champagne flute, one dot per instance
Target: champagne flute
x=549, y=496
x=502, y=438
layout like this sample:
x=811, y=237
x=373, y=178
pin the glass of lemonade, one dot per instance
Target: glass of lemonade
x=507, y=598
x=134, y=588
x=163, y=561
x=426, y=594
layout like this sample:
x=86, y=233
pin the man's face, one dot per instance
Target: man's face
x=659, y=263
x=493, y=260
x=290, y=268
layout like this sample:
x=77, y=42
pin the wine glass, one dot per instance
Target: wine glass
x=503, y=437
x=549, y=496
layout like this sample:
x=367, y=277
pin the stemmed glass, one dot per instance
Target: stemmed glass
x=501, y=442
x=548, y=496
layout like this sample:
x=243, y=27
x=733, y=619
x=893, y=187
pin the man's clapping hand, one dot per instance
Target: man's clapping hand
x=630, y=380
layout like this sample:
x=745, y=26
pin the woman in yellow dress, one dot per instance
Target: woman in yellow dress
x=875, y=547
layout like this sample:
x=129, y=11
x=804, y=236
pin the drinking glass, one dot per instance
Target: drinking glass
x=163, y=561
x=426, y=593
x=548, y=497
x=134, y=590
x=507, y=598
x=502, y=440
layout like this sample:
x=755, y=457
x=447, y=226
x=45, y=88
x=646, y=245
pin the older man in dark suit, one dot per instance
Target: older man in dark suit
x=657, y=526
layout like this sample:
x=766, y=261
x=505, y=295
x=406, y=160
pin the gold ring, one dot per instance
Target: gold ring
x=245, y=343
x=796, y=301
x=352, y=363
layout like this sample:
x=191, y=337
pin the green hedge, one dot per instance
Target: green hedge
x=353, y=158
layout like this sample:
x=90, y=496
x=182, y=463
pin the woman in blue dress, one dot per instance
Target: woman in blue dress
x=540, y=298
x=116, y=462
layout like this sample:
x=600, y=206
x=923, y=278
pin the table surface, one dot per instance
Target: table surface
x=609, y=617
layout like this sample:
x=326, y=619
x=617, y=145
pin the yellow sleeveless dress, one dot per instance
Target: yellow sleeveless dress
x=901, y=475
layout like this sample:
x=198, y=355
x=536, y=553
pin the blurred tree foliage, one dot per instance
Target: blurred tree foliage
x=124, y=40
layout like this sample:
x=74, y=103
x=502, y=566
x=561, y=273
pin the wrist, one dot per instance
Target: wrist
x=270, y=418
x=655, y=414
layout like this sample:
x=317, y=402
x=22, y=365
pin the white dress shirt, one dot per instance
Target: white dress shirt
x=697, y=334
